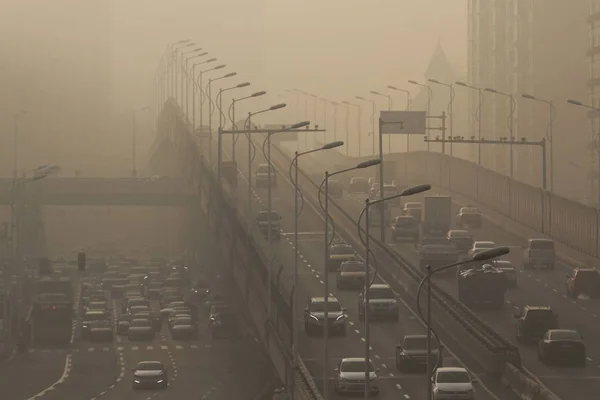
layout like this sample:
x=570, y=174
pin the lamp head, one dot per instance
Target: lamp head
x=392, y=87
x=229, y=75
x=433, y=80
x=374, y=92
x=197, y=49
x=358, y=97
x=491, y=90
x=277, y=106
x=261, y=93
x=219, y=66
x=528, y=96
x=210, y=60
x=459, y=83
x=241, y=85
x=368, y=163
x=415, y=190
x=575, y=102
x=491, y=253
x=300, y=124
x=413, y=82
x=332, y=145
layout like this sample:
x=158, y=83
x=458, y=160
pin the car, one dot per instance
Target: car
x=152, y=290
x=405, y=228
x=469, y=217
x=89, y=318
x=383, y=303
x=533, y=322
x=462, y=240
x=154, y=319
x=97, y=305
x=584, y=281
x=138, y=309
x=150, y=374
x=101, y=331
x=314, y=316
x=184, y=327
x=562, y=346
x=509, y=271
x=140, y=329
x=224, y=324
x=449, y=383
x=411, y=355
x=213, y=299
x=413, y=209
x=358, y=185
x=539, y=253
x=481, y=245
x=351, y=275
x=262, y=222
x=177, y=315
x=338, y=253
x=350, y=376
x=123, y=325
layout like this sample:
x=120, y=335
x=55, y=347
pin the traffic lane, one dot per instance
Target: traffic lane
x=29, y=373
x=91, y=373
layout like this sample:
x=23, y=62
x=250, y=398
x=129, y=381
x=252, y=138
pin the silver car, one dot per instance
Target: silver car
x=452, y=383
x=350, y=376
x=480, y=246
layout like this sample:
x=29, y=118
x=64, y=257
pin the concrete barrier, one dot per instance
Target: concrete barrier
x=524, y=386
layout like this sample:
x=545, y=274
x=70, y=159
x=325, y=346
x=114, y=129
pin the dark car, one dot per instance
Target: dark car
x=411, y=355
x=150, y=375
x=224, y=324
x=101, y=331
x=89, y=318
x=469, y=217
x=140, y=329
x=583, y=281
x=462, y=240
x=338, y=253
x=562, y=346
x=533, y=323
x=383, y=303
x=184, y=328
x=405, y=227
x=315, y=317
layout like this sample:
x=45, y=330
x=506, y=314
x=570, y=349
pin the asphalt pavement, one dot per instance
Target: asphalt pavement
x=384, y=335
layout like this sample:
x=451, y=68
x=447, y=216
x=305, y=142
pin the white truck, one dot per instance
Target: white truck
x=437, y=215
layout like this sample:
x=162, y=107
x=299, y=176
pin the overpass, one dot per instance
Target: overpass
x=159, y=191
x=484, y=342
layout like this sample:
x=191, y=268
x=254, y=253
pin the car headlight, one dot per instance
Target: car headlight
x=313, y=317
x=160, y=381
x=136, y=381
x=341, y=317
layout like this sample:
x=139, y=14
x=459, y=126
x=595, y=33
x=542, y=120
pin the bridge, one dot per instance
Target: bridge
x=483, y=342
x=157, y=191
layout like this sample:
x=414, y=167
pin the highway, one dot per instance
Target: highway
x=384, y=336
x=536, y=287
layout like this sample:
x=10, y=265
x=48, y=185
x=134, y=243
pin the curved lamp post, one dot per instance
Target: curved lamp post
x=231, y=115
x=408, y=104
x=477, y=114
x=511, y=121
x=428, y=107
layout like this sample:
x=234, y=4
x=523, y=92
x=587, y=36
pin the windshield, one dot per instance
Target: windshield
x=381, y=293
x=542, y=245
x=154, y=285
x=460, y=235
x=97, y=305
x=101, y=324
x=140, y=323
x=485, y=245
x=355, y=366
x=149, y=366
x=453, y=377
x=564, y=335
x=406, y=222
x=138, y=309
x=95, y=316
x=353, y=267
x=412, y=206
x=540, y=316
x=341, y=250
x=332, y=306
x=182, y=321
x=358, y=180
x=264, y=169
x=418, y=343
x=264, y=216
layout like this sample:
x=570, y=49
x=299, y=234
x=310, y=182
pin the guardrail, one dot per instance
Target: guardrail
x=499, y=348
x=304, y=385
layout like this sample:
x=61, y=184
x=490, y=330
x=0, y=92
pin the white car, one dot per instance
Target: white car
x=450, y=383
x=509, y=270
x=350, y=376
x=480, y=246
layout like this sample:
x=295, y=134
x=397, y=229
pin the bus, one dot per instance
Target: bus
x=51, y=315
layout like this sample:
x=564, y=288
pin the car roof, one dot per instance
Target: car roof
x=483, y=242
x=544, y=308
x=414, y=336
x=353, y=262
x=587, y=270
x=380, y=286
x=150, y=363
x=460, y=232
x=322, y=300
x=503, y=264
x=563, y=331
x=353, y=359
x=451, y=369
x=541, y=240
x=96, y=312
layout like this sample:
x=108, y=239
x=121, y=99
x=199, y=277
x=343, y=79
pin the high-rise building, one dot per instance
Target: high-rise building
x=539, y=48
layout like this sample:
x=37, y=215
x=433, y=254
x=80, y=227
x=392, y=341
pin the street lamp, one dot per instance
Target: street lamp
x=176, y=51
x=231, y=115
x=297, y=212
x=211, y=108
x=202, y=95
x=184, y=68
x=194, y=88
x=549, y=131
x=168, y=56
x=390, y=106
x=428, y=107
x=450, y=104
x=133, y=140
x=408, y=104
x=368, y=282
x=372, y=118
x=358, y=125
x=325, y=182
x=477, y=114
x=325, y=101
x=187, y=77
x=482, y=256
x=347, y=107
x=335, y=105
x=267, y=142
x=220, y=137
x=511, y=121
x=16, y=119
x=597, y=144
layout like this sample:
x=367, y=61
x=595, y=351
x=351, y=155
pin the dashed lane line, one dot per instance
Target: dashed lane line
x=62, y=379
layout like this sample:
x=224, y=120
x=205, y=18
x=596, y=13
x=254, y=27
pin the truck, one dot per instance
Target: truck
x=539, y=253
x=437, y=256
x=51, y=315
x=437, y=217
x=484, y=286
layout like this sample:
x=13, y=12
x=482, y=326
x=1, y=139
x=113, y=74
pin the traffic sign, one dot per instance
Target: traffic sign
x=403, y=122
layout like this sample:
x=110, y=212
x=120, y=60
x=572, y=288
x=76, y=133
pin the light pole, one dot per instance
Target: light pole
x=482, y=256
x=372, y=118
x=133, y=140
x=428, y=106
x=450, y=104
x=347, y=107
x=477, y=114
x=270, y=209
x=325, y=182
x=390, y=106
x=210, y=110
x=195, y=88
x=176, y=52
x=407, y=108
x=187, y=77
x=169, y=55
x=511, y=121
x=549, y=132
x=358, y=124
x=335, y=105
x=368, y=281
x=203, y=95
x=16, y=119
x=325, y=101
x=184, y=69
x=297, y=213
x=597, y=144
x=231, y=114
x=221, y=121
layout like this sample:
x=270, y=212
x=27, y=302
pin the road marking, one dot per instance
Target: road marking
x=406, y=396
x=391, y=375
x=134, y=347
x=589, y=359
x=152, y=348
x=555, y=291
x=377, y=356
x=63, y=378
x=382, y=365
x=363, y=339
x=193, y=346
x=398, y=386
x=322, y=283
x=105, y=349
x=164, y=347
x=357, y=331
x=91, y=349
x=179, y=347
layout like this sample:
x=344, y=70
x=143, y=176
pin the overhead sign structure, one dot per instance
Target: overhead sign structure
x=403, y=122
x=281, y=136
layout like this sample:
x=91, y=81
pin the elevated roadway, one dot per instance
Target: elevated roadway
x=535, y=288
x=384, y=336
